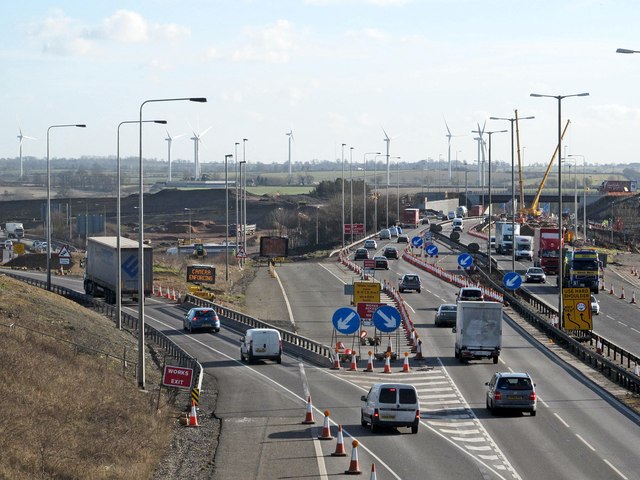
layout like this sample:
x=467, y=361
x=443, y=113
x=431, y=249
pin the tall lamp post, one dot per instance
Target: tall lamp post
x=49, y=200
x=343, y=145
x=490, y=199
x=364, y=190
x=560, y=233
x=226, y=209
x=235, y=163
x=584, y=197
x=141, y=358
x=243, y=220
x=375, y=190
x=351, y=190
x=244, y=198
x=397, y=187
x=513, y=187
x=118, y=226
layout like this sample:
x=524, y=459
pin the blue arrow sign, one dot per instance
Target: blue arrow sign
x=386, y=318
x=512, y=280
x=346, y=320
x=416, y=241
x=465, y=260
x=432, y=250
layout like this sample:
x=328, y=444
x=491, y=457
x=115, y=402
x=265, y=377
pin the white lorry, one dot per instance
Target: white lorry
x=504, y=236
x=524, y=247
x=14, y=230
x=478, y=330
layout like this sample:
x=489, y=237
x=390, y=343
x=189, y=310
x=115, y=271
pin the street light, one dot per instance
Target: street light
x=513, y=188
x=226, y=203
x=397, y=189
x=244, y=199
x=584, y=197
x=141, y=358
x=626, y=50
x=351, y=190
x=243, y=220
x=490, y=213
x=118, y=226
x=235, y=163
x=343, y=145
x=49, y=200
x=560, y=235
x=364, y=189
x=375, y=190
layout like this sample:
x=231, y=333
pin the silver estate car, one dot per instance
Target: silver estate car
x=512, y=391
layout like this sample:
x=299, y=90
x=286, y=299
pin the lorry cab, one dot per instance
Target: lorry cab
x=261, y=344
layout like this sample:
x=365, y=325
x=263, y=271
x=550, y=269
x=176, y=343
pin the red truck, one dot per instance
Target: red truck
x=546, y=248
x=410, y=217
x=476, y=210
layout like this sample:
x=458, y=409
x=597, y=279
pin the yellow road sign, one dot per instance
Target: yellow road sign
x=18, y=248
x=366, y=292
x=577, y=309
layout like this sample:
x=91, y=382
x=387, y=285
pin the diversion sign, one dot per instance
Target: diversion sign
x=201, y=274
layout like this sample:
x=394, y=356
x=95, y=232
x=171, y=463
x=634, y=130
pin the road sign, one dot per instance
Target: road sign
x=465, y=260
x=577, y=309
x=179, y=377
x=512, y=280
x=428, y=236
x=416, y=241
x=369, y=264
x=366, y=309
x=355, y=228
x=432, y=250
x=18, y=248
x=241, y=253
x=346, y=320
x=64, y=252
x=366, y=292
x=387, y=318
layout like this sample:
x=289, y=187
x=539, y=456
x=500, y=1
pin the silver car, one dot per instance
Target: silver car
x=595, y=306
x=446, y=315
x=512, y=391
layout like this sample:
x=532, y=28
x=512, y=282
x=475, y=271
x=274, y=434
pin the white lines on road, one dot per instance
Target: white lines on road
x=585, y=442
x=561, y=420
x=614, y=468
x=635, y=330
x=609, y=316
x=621, y=323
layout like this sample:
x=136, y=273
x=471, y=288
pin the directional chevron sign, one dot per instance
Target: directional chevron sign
x=386, y=318
x=432, y=250
x=512, y=280
x=346, y=320
x=465, y=260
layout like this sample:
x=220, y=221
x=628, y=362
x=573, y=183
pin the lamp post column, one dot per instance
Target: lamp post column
x=343, y=145
x=226, y=203
x=351, y=191
x=235, y=164
x=490, y=199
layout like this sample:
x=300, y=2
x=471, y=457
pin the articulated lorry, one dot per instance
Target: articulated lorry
x=100, y=268
x=546, y=252
x=582, y=268
x=478, y=330
x=14, y=230
x=505, y=232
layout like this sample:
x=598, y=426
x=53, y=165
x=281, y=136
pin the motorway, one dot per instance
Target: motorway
x=579, y=432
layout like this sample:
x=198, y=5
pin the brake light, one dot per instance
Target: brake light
x=280, y=344
x=532, y=396
x=195, y=319
x=376, y=414
x=417, y=414
x=497, y=395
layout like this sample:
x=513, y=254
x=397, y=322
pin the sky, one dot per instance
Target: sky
x=331, y=71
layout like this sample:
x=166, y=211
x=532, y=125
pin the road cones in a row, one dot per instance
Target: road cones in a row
x=622, y=294
x=633, y=297
x=387, y=363
x=308, y=419
x=369, y=363
x=405, y=366
x=193, y=416
x=326, y=430
x=354, y=465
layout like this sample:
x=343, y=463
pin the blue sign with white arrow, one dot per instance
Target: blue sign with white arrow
x=465, y=260
x=512, y=280
x=416, y=241
x=346, y=320
x=386, y=318
x=432, y=250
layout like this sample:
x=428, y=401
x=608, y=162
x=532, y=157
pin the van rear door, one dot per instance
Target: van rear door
x=397, y=404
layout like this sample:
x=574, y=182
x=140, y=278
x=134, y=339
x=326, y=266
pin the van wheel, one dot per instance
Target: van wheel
x=363, y=422
x=414, y=429
x=533, y=413
x=241, y=356
x=279, y=359
x=495, y=360
x=374, y=428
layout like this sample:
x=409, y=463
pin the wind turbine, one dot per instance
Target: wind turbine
x=481, y=152
x=170, y=139
x=197, y=138
x=20, y=138
x=449, y=137
x=290, y=135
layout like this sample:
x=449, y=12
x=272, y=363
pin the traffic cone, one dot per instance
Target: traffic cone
x=369, y=363
x=622, y=294
x=418, y=351
x=160, y=290
x=173, y=295
x=168, y=294
x=387, y=363
x=354, y=364
x=308, y=419
x=326, y=429
x=153, y=290
x=340, y=451
x=373, y=472
x=633, y=297
x=354, y=465
x=636, y=370
x=602, y=285
x=599, y=347
x=193, y=416
x=405, y=366
x=336, y=362
x=612, y=291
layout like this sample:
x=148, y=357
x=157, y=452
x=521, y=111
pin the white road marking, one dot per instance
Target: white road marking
x=585, y=442
x=635, y=330
x=621, y=323
x=614, y=469
x=560, y=418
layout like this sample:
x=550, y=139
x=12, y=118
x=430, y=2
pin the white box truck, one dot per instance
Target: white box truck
x=478, y=330
x=100, y=268
x=524, y=247
x=14, y=230
x=504, y=236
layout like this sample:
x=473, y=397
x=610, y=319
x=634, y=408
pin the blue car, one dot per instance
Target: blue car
x=201, y=319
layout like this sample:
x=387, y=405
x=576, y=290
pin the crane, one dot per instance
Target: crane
x=533, y=209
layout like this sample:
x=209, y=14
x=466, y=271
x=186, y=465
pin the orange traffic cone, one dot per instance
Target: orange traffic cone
x=354, y=364
x=405, y=366
x=336, y=361
x=418, y=351
x=354, y=465
x=326, y=429
x=153, y=290
x=308, y=419
x=633, y=297
x=193, y=417
x=370, y=363
x=387, y=363
x=173, y=295
x=160, y=290
x=612, y=291
x=340, y=451
x=373, y=472
x=168, y=294
x=622, y=294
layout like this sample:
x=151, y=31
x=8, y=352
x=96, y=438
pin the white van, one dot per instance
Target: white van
x=457, y=224
x=391, y=405
x=385, y=234
x=261, y=344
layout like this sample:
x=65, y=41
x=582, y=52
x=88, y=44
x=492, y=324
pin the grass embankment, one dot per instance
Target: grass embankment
x=68, y=411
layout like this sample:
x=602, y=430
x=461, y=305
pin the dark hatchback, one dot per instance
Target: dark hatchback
x=446, y=315
x=409, y=281
x=361, y=254
x=201, y=319
x=390, y=252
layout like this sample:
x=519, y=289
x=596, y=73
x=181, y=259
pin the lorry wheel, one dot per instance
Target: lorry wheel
x=457, y=354
x=495, y=360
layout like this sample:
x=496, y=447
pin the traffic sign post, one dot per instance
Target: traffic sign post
x=432, y=250
x=346, y=320
x=416, y=241
x=465, y=260
x=577, y=309
x=366, y=292
x=387, y=318
x=512, y=280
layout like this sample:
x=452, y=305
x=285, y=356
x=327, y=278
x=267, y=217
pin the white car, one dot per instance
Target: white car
x=370, y=244
x=595, y=306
